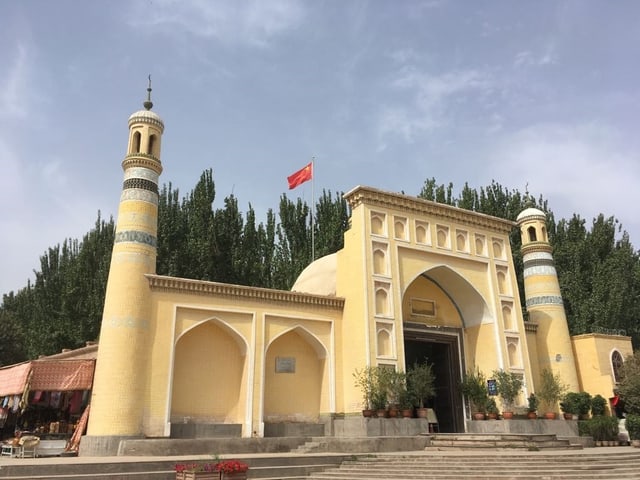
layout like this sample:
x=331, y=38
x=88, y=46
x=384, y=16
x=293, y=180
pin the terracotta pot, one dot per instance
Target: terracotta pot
x=393, y=412
x=367, y=413
x=568, y=416
x=478, y=416
x=492, y=416
x=381, y=413
x=550, y=415
x=507, y=415
x=532, y=415
x=406, y=412
x=421, y=412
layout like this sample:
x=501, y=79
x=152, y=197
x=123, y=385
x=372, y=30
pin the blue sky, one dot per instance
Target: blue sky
x=381, y=93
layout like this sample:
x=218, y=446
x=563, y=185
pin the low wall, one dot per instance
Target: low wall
x=560, y=428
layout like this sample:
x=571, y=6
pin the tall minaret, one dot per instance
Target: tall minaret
x=544, y=300
x=120, y=375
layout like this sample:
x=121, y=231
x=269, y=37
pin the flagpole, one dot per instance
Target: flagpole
x=313, y=209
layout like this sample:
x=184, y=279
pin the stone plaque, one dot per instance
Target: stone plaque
x=285, y=365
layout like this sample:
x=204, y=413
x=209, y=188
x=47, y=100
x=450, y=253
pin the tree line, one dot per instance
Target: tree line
x=599, y=271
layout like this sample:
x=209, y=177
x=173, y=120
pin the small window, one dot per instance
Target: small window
x=532, y=234
x=616, y=364
x=152, y=141
x=136, y=142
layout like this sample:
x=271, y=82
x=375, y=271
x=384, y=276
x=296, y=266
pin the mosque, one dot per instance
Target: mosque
x=415, y=280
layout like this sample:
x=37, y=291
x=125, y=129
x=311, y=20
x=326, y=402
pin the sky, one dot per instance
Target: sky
x=541, y=96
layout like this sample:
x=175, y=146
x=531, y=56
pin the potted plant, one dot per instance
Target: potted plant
x=365, y=379
x=632, y=424
x=232, y=470
x=583, y=404
x=550, y=392
x=532, y=407
x=508, y=385
x=474, y=387
x=491, y=409
x=218, y=470
x=598, y=405
x=420, y=382
x=397, y=385
x=570, y=405
x=405, y=403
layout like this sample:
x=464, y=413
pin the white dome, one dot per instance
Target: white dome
x=146, y=116
x=531, y=212
x=319, y=277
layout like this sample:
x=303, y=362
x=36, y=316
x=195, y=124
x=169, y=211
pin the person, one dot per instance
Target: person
x=618, y=405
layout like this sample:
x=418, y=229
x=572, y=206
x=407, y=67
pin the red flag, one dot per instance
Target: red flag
x=303, y=175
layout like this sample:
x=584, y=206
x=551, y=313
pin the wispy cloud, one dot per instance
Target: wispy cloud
x=14, y=86
x=580, y=168
x=249, y=22
x=431, y=97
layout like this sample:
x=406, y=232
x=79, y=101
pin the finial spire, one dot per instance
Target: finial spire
x=529, y=202
x=148, y=104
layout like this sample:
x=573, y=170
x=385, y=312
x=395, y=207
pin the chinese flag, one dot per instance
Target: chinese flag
x=303, y=175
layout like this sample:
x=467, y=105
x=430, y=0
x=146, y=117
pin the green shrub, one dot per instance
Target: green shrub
x=603, y=428
x=632, y=424
x=598, y=405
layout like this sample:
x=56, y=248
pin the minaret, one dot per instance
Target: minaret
x=120, y=375
x=544, y=300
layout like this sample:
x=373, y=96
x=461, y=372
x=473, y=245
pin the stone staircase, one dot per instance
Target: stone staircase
x=500, y=441
x=484, y=465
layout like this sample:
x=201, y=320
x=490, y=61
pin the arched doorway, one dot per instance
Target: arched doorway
x=442, y=350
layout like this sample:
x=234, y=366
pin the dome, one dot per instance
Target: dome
x=146, y=116
x=319, y=277
x=530, y=212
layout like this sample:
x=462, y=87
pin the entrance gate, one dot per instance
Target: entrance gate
x=440, y=348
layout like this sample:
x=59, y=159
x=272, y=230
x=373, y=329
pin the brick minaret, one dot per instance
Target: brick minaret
x=544, y=300
x=120, y=376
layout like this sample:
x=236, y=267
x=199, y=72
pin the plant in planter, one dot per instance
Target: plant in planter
x=474, y=387
x=632, y=424
x=366, y=379
x=420, y=383
x=405, y=403
x=598, y=405
x=396, y=386
x=570, y=405
x=550, y=392
x=532, y=406
x=491, y=409
x=603, y=428
x=218, y=470
x=509, y=385
x=583, y=401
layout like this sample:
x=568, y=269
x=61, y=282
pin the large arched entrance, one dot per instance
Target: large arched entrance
x=442, y=313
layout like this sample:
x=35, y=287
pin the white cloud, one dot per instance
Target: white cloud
x=251, y=22
x=430, y=101
x=581, y=169
x=527, y=58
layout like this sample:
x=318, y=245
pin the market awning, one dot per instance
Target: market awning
x=13, y=379
x=62, y=375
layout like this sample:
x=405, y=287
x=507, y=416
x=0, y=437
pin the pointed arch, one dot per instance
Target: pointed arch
x=307, y=374
x=204, y=344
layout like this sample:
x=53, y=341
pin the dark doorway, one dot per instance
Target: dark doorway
x=442, y=352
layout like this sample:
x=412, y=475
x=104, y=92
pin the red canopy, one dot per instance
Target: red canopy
x=13, y=379
x=61, y=375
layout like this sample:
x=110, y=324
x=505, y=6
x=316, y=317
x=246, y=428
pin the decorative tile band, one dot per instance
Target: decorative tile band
x=141, y=172
x=544, y=300
x=539, y=270
x=137, y=194
x=141, y=184
x=537, y=256
x=136, y=236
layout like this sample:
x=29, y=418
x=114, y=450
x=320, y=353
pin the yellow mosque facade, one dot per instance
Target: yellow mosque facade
x=416, y=280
